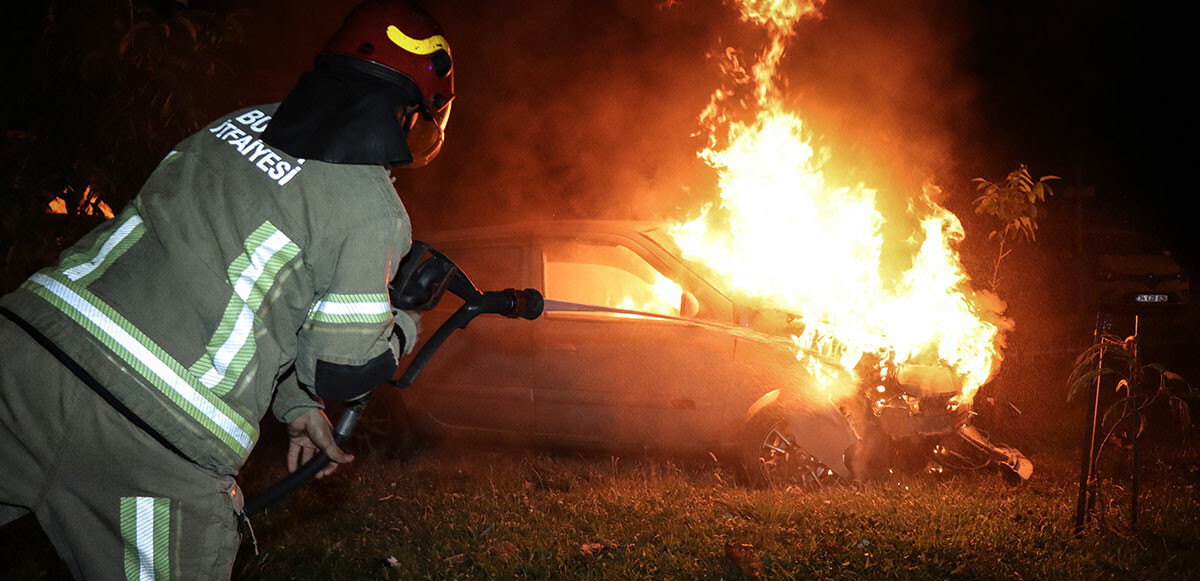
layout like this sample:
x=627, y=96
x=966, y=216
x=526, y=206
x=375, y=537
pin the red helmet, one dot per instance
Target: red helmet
x=404, y=38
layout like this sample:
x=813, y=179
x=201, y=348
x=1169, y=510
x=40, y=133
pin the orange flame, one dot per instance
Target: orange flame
x=89, y=205
x=664, y=300
x=606, y=284
x=790, y=240
x=57, y=206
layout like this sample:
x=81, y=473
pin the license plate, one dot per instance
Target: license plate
x=1147, y=298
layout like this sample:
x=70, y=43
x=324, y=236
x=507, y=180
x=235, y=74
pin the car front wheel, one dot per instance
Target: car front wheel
x=770, y=455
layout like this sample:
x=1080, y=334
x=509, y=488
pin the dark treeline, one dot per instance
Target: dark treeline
x=96, y=93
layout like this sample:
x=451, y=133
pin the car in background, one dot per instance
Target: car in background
x=1131, y=273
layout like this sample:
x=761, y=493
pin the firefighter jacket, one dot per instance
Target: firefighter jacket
x=235, y=263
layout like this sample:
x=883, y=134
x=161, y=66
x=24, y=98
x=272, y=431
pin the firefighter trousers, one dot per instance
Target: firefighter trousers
x=115, y=502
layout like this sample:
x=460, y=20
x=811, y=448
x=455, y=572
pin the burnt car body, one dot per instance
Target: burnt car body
x=637, y=350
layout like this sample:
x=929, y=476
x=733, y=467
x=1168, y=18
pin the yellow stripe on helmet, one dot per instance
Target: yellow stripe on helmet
x=417, y=45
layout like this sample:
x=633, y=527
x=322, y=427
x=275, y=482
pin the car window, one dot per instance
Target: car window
x=608, y=276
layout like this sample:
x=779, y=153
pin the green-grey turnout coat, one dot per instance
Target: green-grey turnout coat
x=233, y=264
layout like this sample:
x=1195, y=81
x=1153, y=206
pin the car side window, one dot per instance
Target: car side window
x=608, y=276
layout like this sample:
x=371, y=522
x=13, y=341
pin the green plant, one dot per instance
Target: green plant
x=1013, y=205
x=1139, y=387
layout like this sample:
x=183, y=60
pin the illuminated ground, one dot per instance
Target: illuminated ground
x=516, y=514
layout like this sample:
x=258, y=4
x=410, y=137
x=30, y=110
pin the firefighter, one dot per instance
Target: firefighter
x=250, y=271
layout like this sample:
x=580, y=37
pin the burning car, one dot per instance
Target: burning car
x=795, y=323
x=638, y=350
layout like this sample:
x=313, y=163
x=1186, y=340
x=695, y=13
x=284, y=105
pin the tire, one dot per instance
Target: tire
x=769, y=455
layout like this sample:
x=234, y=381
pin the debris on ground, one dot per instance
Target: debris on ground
x=591, y=548
x=745, y=558
x=460, y=558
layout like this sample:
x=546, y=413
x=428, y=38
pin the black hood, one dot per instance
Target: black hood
x=344, y=111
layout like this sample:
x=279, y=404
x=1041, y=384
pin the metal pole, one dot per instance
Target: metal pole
x=1087, y=493
x=1133, y=389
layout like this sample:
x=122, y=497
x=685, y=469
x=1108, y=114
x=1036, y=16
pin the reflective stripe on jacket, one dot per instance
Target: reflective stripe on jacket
x=234, y=263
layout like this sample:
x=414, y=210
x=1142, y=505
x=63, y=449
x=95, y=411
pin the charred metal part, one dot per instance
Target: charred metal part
x=919, y=401
x=1002, y=455
x=914, y=414
x=824, y=435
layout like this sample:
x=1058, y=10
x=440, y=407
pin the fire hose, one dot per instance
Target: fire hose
x=419, y=285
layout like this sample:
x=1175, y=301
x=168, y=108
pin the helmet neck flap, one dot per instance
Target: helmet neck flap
x=345, y=111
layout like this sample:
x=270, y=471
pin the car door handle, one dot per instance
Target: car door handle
x=683, y=404
x=562, y=347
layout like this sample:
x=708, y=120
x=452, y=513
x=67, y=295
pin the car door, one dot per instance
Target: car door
x=481, y=377
x=617, y=364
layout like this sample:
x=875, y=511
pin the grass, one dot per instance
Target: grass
x=496, y=514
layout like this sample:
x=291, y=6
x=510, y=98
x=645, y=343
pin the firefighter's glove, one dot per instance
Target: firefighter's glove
x=407, y=328
x=309, y=433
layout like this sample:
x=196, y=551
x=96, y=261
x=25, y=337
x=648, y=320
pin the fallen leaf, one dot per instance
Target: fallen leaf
x=745, y=558
x=591, y=548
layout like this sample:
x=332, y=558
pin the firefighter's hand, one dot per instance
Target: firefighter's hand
x=309, y=433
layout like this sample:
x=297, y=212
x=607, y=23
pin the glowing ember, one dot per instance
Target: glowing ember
x=790, y=240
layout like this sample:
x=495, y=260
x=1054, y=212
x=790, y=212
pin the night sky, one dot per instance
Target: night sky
x=1097, y=92
x=588, y=108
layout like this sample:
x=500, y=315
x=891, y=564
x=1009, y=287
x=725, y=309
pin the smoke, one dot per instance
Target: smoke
x=569, y=109
x=881, y=83
x=586, y=109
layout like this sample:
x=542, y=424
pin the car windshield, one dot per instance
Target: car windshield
x=659, y=237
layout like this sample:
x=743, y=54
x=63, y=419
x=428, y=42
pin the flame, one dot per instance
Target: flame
x=785, y=237
x=605, y=280
x=89, y=204
x=57, y=206
x=664, y=298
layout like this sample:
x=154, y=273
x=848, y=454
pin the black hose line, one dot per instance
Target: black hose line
x=346, y=421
